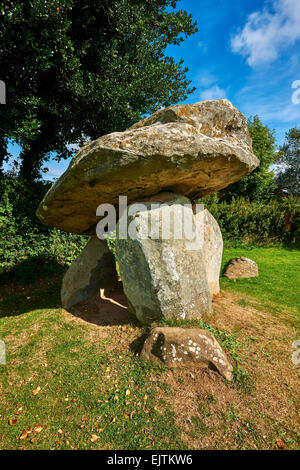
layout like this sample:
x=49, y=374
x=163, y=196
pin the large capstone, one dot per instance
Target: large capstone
x=93, y=269
x=161, y=263
x=191, y=149
x=211, y=243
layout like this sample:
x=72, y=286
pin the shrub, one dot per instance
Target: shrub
x=28, y=248
x=274, y=222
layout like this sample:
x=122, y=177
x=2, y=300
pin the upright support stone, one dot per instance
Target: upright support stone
x=162, y=276
x=211, y=242
x=93, y=269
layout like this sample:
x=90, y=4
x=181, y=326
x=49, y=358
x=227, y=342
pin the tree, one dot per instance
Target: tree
x=289, y=164
x=259, y=184
x=78, y=69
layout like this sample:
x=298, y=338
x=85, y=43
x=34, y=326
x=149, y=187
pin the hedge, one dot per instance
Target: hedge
x=264, y=223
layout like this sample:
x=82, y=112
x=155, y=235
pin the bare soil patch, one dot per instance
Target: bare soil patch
x=213, y=414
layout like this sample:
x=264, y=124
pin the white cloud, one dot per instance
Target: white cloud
x=213, y=93
x=205, y=79
x=267, y=32
x=203, y=46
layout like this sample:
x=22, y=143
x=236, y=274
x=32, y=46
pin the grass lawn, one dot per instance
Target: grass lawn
x=84, y=388
x=72, y=382
x=278, y=285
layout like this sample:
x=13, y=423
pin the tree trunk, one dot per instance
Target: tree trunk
x=31, y=163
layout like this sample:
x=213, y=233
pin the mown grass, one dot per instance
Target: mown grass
x=85, y=389
x=227, y=340
x=97, y=389
x=277, y=286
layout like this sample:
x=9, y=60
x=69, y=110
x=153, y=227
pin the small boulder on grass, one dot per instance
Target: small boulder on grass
x=186, y=347
x=241, y=268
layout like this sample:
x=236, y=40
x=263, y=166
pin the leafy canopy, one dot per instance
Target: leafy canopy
x=289, y=175
x=260, y=184
x=78, y=69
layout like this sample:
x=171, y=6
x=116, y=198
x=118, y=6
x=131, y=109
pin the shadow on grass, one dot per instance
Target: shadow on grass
x=33, y=284
x=137, y=345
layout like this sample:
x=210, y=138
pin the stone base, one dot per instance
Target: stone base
x=241, y=268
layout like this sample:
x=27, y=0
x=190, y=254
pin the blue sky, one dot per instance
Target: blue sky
x=246, y=51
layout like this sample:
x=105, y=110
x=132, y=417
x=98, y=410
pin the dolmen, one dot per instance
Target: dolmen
x=168, y=247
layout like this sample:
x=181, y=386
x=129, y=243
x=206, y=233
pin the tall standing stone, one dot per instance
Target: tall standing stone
x=162, y=276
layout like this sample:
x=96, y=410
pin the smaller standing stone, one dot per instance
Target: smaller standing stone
x=94, y=268
x=186, y=347
x=241, y=267
x=211, y=243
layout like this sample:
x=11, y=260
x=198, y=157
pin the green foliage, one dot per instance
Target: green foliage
x=289, y=176
x=242, y=379
x=111, y=242
x=260, y=184
x=76, y=70
x=273, y=222
x=27, y=248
